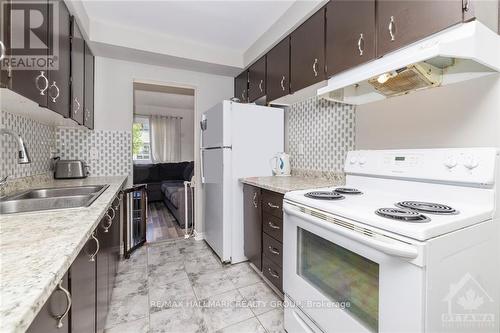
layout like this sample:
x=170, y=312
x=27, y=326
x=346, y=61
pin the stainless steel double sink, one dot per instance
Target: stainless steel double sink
x=51, y=198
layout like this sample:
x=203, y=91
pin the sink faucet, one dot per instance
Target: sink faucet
x=22, y=156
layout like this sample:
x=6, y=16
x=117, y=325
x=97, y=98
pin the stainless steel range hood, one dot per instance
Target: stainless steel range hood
x=463, y=52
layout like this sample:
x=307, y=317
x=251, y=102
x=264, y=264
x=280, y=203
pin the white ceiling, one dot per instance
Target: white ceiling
x=164, y=100
x=230, y=24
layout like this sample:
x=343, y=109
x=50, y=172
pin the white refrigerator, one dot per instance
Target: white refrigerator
x=237, y=140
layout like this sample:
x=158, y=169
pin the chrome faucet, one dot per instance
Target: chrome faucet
x=22, y=156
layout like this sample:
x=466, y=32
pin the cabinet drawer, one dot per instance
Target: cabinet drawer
x=273, y=226
x=272, y=249
x=272, y=203
x=273, y=273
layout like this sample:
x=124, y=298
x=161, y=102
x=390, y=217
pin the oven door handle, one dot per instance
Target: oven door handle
x=398, y=249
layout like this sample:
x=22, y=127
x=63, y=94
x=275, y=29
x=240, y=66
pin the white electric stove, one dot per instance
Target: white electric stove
x=409, y=244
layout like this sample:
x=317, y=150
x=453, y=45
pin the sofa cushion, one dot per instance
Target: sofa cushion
x=188, y=171
x=146, y=173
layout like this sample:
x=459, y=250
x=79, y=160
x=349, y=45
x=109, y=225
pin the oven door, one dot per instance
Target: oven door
x=347, y=278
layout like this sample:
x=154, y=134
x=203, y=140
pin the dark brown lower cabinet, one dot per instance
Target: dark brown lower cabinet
x=263, y=230
x=252, y=225
x=83, y=288
x=102, y=275
x=54, y=315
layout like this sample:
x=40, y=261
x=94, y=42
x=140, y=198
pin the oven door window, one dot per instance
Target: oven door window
x=341, y=275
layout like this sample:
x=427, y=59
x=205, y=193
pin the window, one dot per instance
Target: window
x=141, y=140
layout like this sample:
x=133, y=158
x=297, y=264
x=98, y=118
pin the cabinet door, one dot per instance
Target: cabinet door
x=307, y=52
x=240, y=87
x=89, y=88
x=59, y=94
x=5, y=42
x=278, y=70
x=403, y=22
x=77, y=73
x=55, y=311
x=30, y=83
x=102, y=275
x=114, y=245
x=252, y=225
x=83, y=288
x=350, y=39
x=257, y=80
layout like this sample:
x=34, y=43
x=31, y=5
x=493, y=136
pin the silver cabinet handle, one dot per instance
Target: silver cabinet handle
x=314, y=67
x=273, y=273
x=2, y=50
x=87, y=114
x=60, y=318
x=243, y=95
x=255, y=200
x=273, y=226
x=260, y=85
x=283, y=83
x=274, y=251
x=77, y=104
x=273, y=205
x=110, y=219
x=467, y=5
x=54, y=85
x=392, y=29
x=361, y=44
x=92, y=256
x=46, y=83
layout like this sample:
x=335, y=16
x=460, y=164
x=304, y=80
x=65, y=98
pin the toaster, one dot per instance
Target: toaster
x=67, y=169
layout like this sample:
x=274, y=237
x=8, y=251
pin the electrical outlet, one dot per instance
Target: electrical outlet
x=301, y=148
x=93, y=153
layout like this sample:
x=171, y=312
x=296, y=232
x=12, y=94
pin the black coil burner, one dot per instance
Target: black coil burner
x=324, y=195
x=427, y=207
x=404, y=215
x=347, y=190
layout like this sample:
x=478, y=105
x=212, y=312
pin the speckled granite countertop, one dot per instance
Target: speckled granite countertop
x=37, y=248
x=290, y=183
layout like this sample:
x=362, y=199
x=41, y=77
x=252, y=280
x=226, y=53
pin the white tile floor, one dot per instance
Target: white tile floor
x=180, y=286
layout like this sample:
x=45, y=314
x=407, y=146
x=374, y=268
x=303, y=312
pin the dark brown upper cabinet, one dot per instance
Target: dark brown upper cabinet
x=30, y=83
x=5, y=74
x=307, y=52
x=241, y=87
x=257, y=80
x=59, y=93
x=350, y=34
x=77, y=73
x=89, y=89
x=403, y=22
x=278, y=70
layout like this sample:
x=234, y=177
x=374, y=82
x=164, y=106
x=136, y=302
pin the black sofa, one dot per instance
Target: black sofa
x=165, y=182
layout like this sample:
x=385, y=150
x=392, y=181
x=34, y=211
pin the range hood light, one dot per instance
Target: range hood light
x=386, y=76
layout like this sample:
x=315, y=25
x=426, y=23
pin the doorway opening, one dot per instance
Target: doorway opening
x=163, y=157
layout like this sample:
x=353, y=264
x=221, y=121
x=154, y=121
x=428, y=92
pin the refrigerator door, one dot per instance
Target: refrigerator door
x=217, y=200
x=216, y=126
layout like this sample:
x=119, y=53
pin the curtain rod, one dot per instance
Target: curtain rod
x=150, y=115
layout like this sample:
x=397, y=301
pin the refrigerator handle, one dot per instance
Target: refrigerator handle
x=202, y=174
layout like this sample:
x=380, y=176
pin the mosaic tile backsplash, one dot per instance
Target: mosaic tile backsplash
x=39, y=140
x=327, y=132
x=108, y=153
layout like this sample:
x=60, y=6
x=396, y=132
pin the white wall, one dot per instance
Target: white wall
x=187, y=125
x=114, y=98
x=466, y=114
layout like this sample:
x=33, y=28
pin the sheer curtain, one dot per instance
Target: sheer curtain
x=165, y=139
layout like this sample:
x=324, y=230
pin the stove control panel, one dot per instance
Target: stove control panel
x=456, y=165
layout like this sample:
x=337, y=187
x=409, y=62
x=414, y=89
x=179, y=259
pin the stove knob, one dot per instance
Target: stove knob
x=451, y=162
x=470, y=162
x=362, y=161
x=353, y=160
